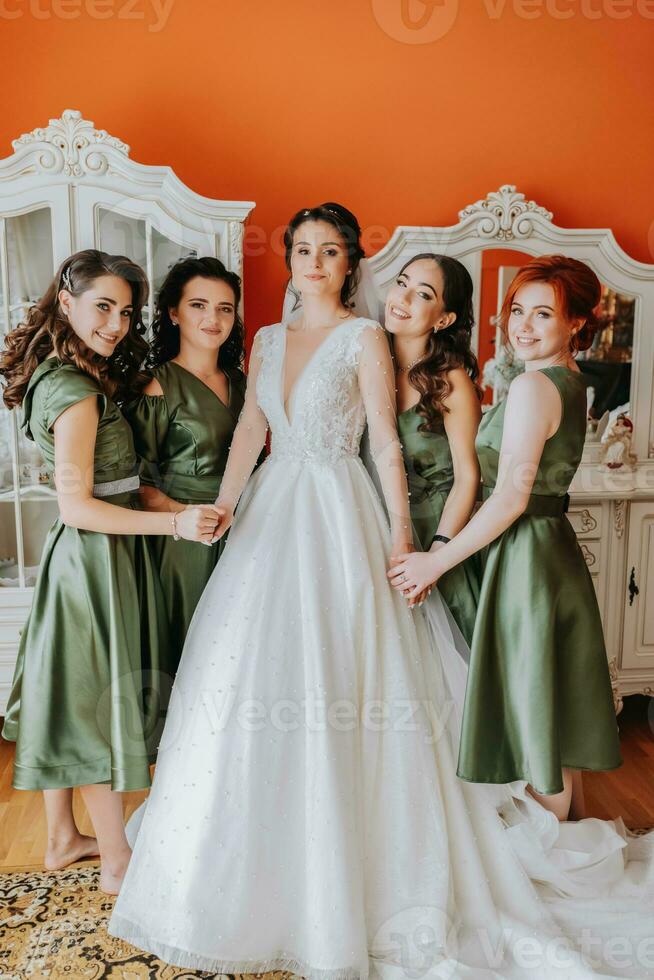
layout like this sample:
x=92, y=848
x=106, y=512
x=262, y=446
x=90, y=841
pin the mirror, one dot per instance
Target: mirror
x=606, y=365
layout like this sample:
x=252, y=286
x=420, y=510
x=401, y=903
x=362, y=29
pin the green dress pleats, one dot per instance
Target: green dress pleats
x=539, y=692
x=93, y=677
x=430, y=474
x=183, y=438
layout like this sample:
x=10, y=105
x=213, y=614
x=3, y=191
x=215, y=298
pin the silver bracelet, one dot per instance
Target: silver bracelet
x=176, y=536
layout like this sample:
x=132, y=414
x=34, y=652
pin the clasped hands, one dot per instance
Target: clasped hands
x=206, y=523
x=413, y=573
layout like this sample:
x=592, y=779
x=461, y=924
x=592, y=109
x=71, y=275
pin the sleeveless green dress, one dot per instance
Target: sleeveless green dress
x=430, y=475
x=183, y=439
x=92, y=677
x=539, y=693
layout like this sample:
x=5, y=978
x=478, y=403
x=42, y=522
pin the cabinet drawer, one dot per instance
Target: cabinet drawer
x=592, y=551
x=586, y=520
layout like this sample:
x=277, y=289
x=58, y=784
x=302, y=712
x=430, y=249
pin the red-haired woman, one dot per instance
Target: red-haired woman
x=538, y=702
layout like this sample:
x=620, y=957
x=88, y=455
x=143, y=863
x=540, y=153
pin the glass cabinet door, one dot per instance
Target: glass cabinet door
x=143, y=231
x=28, y=504
x=141, y=241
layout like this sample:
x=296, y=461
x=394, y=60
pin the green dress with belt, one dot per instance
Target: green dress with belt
x=539, y=693
x=92, y=677
x=183, y=438
x=430, y=474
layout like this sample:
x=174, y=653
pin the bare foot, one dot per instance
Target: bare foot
x=60, y=854
x=112, y=874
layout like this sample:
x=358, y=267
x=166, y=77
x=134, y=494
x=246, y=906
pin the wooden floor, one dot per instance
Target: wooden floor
x=627, y=792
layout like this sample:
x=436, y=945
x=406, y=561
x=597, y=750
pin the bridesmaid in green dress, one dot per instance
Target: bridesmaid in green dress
x=538, y=704
x=430, y=318
x=184, y=421
x=92, y=675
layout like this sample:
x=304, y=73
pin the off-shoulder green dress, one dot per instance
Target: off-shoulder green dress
x=183, y=438
x=430, y=475
x=92, y=677
x=539, y=693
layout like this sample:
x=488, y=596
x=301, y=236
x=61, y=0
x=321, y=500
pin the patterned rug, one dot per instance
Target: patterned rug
x=53, y=925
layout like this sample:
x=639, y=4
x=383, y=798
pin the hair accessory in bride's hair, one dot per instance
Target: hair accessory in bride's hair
x=65, y=279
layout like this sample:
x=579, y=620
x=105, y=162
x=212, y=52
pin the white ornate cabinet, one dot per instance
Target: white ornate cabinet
x=612, y=512
x=66, y=187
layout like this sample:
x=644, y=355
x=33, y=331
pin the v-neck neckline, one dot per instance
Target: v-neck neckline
x=210, y=390
x=312, y=357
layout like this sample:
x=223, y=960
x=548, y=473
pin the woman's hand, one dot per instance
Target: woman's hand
x=198, y=523
x=413, y=573
x=402, y=546
x=225, y=519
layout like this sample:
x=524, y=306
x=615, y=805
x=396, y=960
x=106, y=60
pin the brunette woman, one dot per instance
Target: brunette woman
x=429, y=315
x=184, y=421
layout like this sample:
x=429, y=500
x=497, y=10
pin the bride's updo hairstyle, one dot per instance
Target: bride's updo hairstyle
x=577, y=289
x=349, y=230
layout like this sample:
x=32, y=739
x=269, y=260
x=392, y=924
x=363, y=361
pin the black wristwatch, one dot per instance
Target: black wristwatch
x=440, y=537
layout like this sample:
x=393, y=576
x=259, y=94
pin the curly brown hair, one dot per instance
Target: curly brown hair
x=47, y=328
x=448, y=348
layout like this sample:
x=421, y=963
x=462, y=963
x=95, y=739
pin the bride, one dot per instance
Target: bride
x=305, y=812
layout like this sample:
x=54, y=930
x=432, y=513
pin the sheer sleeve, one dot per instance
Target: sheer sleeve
x=248, y=440
x=377, y=384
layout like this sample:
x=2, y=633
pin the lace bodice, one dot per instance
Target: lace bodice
x=348, y=380
x=327, y=414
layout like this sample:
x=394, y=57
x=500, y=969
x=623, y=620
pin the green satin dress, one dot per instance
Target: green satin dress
x=539, y=693
x=430, y=474
x=92, y=678
x=183, y=438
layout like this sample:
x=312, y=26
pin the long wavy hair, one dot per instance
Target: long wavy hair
x=47, y=328
x=447, y=348
x=347, y=227
x=165, y=334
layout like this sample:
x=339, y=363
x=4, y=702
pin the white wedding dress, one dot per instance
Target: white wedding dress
x=305, y=813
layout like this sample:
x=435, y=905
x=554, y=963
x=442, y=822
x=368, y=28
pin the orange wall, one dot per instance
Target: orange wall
x=290, y=102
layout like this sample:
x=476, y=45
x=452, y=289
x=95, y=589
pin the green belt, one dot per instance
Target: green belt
x=539, y=504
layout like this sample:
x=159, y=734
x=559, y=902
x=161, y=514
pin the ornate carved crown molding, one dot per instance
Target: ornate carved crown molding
x=505, y=214
x=71, y=145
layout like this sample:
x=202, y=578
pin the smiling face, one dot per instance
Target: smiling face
x=537, y=329
x=205, y=313
x=101, y=315
x=415, y=304
x=319, y=259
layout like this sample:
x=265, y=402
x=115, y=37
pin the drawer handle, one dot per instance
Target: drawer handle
x=633, y=588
